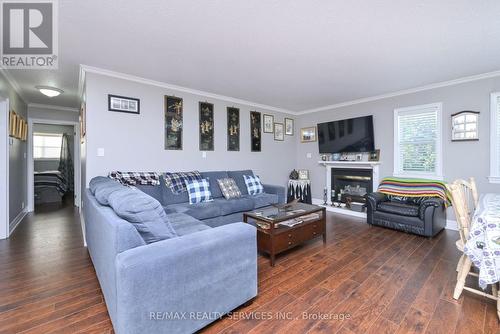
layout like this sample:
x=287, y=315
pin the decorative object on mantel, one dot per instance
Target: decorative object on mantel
x=255, y=131
x=374, y=156
x=465, y=126
x=303, y=174
x=299, y=189
x=336, y=156
x=289, y=127
x=326, y=157
x=294, y=175
x=279, y=132
x=206, y=126
x=308, y=135
x=123, y=104
x=173, y=123
x=233, y=129
x=268, y=123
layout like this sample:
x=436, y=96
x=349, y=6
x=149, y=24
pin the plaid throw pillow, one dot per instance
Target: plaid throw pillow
x=177, y=181
x=136, y=178
x=254, y=186
x=229, y=188
x=198, y=191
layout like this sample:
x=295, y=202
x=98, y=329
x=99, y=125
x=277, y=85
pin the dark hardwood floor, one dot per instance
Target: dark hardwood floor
x=384, y=281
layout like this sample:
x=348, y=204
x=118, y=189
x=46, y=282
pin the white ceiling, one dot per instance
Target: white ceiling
x=295, y=55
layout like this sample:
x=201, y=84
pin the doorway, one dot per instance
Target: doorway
x=4, y=168
x=53, y=165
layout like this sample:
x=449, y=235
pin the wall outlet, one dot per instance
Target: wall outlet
x=22, y=205
x=309, y=155
x=24, y=155
x=204, y=154
x=100, y=152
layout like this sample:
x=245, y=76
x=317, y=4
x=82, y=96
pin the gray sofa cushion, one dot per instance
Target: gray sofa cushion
x=98, y=180
x=229, y=206
x=144, y=212
x=261, y=200
x=200, y=211
x=104, y=189
x=170, y=198
x=238, y=177
x=212, y=180
x=154, y=191
x=184, y=224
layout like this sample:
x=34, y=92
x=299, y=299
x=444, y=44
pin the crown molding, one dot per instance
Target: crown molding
x=404, y=92
x=52, y=107
x=91, y=69
x=13, y=83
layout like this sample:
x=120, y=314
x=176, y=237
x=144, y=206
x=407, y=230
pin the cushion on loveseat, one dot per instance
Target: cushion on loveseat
x=212, y=180
x=229, y=206
x=240, y=181
x=199, y=211
x=261, y=200
x=399, y=208
x=142, y=211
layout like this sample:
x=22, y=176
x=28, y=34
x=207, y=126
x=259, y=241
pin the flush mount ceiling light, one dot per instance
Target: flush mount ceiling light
x=49, y=91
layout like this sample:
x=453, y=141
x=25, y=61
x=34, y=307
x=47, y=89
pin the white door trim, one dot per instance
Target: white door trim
x=76, y=159
x=4, y=168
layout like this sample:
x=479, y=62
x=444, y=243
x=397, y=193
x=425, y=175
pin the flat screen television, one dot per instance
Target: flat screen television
x=348, y=135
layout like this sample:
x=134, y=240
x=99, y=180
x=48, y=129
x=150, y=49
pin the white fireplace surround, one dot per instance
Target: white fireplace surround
x=329, y=165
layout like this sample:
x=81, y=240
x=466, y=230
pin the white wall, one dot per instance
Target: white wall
x=136, y=142
x=50, y=113
x=460, y=159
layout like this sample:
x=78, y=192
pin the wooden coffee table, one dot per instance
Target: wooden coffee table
x=274, y=238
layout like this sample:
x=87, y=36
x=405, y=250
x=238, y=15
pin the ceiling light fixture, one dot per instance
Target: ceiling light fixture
x=49, y=91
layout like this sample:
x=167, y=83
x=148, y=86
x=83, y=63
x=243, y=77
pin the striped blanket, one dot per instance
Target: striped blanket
x=414, y=188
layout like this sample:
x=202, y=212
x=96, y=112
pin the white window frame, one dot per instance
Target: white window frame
x=438, y=173
x=494, y=158
x=46, y=135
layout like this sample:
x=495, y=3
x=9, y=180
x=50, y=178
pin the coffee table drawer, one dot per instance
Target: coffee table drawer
x=298, y=235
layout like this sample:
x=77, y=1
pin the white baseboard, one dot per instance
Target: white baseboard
x=16, y=221
x=450, y=224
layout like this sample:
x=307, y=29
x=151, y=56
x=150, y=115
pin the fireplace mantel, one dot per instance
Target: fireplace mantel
x=329, y=165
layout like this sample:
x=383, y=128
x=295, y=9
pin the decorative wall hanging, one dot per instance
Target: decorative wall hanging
x=206, y=126
x=12, y=123
x=255, y=131
x=289, y=126
x=465, y=126
x=123, y=104
x=308, y=135
x=268, y=123
x=279, y=131
x=173, y=122
x=374, y=156
x=83, y=122
x=233, y=129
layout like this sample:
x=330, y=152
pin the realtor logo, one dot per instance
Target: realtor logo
x=29, y=34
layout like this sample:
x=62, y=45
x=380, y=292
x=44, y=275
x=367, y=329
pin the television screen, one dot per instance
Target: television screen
x=348, y=135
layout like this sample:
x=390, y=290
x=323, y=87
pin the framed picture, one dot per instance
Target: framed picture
x=279, y=131
x=233, y=129
x=123, y=104
x=303, y=174
x=465, y=126
x=19, y=127
x=308, y=135
x=289, y=126
x=206, y=126
x=83, y=122
x=173, y=122
x=374, y=155
x=12, y=123
x=24, y=133
x=255, y=131
x=268, y=123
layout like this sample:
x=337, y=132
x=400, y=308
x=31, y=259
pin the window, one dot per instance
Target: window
x=47, y=146
x=495, y=138
x=417, y=141
x=464, y=126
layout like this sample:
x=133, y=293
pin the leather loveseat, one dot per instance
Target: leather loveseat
x=425, y=216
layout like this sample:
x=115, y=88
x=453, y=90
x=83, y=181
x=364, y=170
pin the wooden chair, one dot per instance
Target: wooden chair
x=464, y=197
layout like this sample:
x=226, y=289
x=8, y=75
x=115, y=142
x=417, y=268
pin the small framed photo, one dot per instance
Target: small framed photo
x=289, y=126
x=374, y=155
x=268, y=123
x=308, y=135
x=303, y=174
x=123, y=104
x=279, y=132
x=12, y=123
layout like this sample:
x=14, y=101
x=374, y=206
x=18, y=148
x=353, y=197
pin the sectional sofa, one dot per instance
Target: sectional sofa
x=181, y=284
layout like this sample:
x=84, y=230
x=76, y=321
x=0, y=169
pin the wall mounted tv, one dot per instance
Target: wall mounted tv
x=348, y=135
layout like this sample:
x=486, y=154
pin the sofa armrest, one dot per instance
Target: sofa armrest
x=278, y=190
x=373, y=199
x=211, y=271
x=431, y=204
